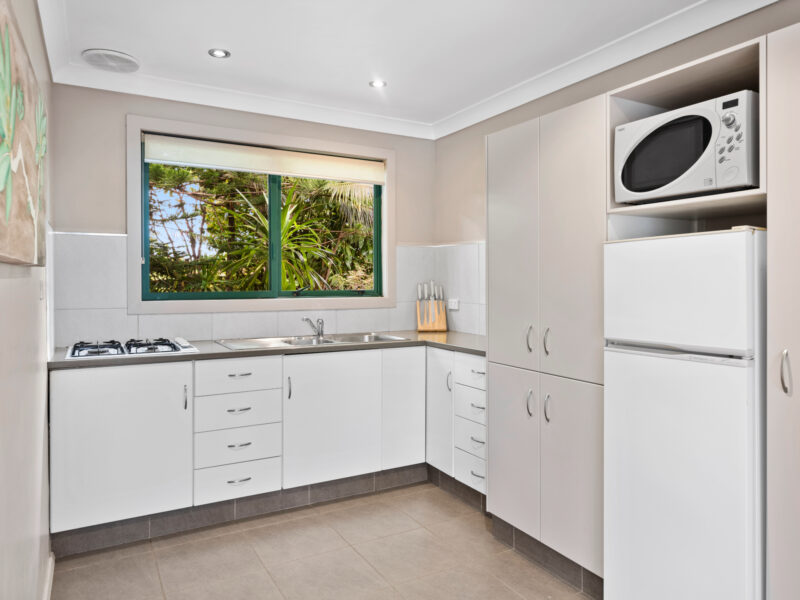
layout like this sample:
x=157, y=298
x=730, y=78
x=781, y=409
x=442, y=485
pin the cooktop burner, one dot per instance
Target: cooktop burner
x=108, y=348
x=148, y=346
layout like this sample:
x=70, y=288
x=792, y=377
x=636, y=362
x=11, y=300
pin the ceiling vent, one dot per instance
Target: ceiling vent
x=110, y=60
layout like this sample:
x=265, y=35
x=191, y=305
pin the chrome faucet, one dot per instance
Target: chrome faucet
x=319, y=328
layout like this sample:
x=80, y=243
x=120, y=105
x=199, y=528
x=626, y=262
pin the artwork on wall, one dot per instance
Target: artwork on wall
x=23, y=144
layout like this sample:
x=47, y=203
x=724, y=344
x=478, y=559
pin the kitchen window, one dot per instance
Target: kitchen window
x=234, y=221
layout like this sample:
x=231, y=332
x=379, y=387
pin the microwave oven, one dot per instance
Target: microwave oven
x=700, y=149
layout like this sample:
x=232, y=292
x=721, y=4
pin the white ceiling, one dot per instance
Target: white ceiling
x=449, y=63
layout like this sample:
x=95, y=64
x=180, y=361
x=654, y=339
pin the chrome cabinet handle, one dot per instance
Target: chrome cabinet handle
x=786, y=366
x=236, y=411
x=546, y=407
x=478, y=406
x=239, y=374
x=449, y=381
x=545, y=341
x=476, y=440
x=474, y=474
x=242, y=445
x=290, y=387
x=478, y=372
x=185, y=397
x=528, y=338
x=239, y=481
x=528, y=402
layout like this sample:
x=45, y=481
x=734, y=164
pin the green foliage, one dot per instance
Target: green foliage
x=210, y=231
x=12, y=108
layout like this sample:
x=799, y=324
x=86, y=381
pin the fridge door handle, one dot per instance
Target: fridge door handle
x=786, y=373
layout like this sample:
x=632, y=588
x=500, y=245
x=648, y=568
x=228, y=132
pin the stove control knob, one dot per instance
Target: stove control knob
x=729, y=119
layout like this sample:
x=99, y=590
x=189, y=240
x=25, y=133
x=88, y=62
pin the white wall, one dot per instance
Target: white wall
x=24, y=524
x=90, y=297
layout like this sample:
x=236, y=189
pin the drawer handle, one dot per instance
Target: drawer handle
x=242, y=445
x=476, y=440
x=478, y=372
x=236, y=411
x=239, y=481
x=478, y=406
x=449, y=381
x=474, y=474
x=240, y=374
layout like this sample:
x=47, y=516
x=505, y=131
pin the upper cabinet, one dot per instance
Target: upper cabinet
x=512, y=258
x=546, y=226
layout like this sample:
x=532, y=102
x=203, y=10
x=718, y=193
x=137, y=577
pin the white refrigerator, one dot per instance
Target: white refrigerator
x=684, y=417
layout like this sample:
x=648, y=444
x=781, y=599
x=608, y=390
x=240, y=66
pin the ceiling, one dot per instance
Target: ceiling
x=448, y=63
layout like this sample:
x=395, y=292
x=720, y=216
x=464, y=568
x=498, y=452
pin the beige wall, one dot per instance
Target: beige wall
x=24, y=526
x=460, y=182
x=88, y=137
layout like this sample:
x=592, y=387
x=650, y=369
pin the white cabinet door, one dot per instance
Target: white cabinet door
x=403, y=420
x=572, y=229
x=331, y=416
x=512, y=252
x=783, y=324
x=513, y=477
x=439, y=410
x=120, y=443
x=571, y=428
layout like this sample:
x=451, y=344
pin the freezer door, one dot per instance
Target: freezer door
x=681, y=487
x=695, y=292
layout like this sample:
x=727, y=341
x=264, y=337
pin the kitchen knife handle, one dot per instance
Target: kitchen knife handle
x=786, y=381
x=528, y=338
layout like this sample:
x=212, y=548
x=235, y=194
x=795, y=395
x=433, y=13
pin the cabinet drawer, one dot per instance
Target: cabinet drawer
x=471, y=370
x=234, y=481
x=470, y=470
x=237, y=410
x=470, y=403
x=227, y=446
x=470, y=437
x=237, y=375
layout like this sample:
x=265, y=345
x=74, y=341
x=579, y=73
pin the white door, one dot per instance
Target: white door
x=571, y=427
x=403, y=420
x=681, y=495
x=439, y=409
x=783, y=323
x=120, y=443
x=513, y=453
x=572, y=200
x=512, y=253
x=696, y=292
x=331, y=416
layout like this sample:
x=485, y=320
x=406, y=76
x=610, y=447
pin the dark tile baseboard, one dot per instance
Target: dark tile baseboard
x=554, y=562
x=460, y=490
x=109, y=535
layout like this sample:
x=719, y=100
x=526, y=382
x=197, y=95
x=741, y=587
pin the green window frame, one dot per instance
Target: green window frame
x=275, y=268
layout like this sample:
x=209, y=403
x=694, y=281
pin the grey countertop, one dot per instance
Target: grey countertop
x=209, y=349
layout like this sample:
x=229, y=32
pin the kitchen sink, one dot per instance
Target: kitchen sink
x=365, y=338
x=308, y=340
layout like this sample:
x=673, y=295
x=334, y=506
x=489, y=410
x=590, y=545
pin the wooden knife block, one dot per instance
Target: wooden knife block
x=431, y=315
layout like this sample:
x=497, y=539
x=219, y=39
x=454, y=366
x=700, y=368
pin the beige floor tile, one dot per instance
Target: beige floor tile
x=457, y=584
x=291, y=540
x=92, y=558
x=468, y=534
x=251, y=586
x=130, y=578
x=408, y=555
x=369, y=521
x=206, y=562
x=431, y=506
x=338, y=574
x=337, y=505
x=526, y=578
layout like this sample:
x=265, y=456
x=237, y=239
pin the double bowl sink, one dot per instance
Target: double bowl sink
x=308, y=340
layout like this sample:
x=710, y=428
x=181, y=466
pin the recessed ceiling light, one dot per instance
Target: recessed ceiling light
x=377, y=83
x=219, y=53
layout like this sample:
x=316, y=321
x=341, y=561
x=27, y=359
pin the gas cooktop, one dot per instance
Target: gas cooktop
x=114, y=348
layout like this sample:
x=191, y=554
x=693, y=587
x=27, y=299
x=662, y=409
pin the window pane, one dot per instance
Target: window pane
x=208, y=231
x=326, y=235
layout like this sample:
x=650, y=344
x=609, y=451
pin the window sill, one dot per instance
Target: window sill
x=258, y=305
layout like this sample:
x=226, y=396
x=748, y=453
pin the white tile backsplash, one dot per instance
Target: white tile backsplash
x=90, y=300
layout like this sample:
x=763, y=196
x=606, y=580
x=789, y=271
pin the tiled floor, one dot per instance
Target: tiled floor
x=417, y=542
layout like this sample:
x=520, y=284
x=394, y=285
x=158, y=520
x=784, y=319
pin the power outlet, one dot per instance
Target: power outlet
x=452, y=304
